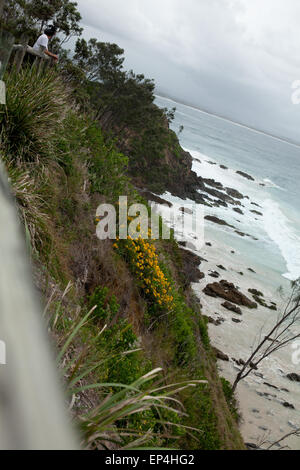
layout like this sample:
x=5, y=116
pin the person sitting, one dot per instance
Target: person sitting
x=41, y=44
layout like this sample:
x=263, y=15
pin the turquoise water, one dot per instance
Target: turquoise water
x=272, y=162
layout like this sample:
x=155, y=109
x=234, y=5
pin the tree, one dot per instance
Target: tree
x=31, y=16
x=101, y=61
x=278, y=337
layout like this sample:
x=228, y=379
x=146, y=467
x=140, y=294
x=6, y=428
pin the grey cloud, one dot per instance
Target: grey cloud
x=233, y=57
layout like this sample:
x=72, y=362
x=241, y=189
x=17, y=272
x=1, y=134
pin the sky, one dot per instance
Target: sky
x=234, y=58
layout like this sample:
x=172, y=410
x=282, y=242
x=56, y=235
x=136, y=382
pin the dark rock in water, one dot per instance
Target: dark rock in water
x=241, y=234
x=197, y=160
x=221, y=267
x=234, y=193
x=233, y=252
x=257, y=213
x=256, y=205
x=245, y=175
x=213, y=183
x=239, y=362
x=211, y=163
x=294, y=377
x=223, y=167
x=214, y=274
x=212, y=321
x=229, y=292
x=208, y=244
x=185, y=210
x=269, y=396
x=235, y=320
x=220, y=355
x=262, y=184
x=238, y=210
x=216, y=220
x=232, y=308
x=241, y=274
x=215, y=189
x=271, y=386
x=258, y=374
x=263, y=428
x=152, y=197
x=285, y=390
x=251, y=446
x=257, y=296
x=251, y=270
x=190, y=267
x=288, y=405
x=256, y=292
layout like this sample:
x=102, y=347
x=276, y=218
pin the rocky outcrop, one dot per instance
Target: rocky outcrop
x=214, y=274
x=245, y=175
x=238, y=210
x=257, y=213
x=220, y=355
x=234, y=193
x=256, y=292
x=288, y=405
x=294, y=377
x=153, y=198
x=190, y=264
x=216, y=220
x=229, y=292
x=232, y=308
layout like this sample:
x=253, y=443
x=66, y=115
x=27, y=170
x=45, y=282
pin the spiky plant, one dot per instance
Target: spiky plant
x=108, y=425
x=30, y=205
x=36, y=106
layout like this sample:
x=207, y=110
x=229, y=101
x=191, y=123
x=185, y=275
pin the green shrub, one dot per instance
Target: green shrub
x=230, y=398
x=35, y=108
x=106, y=307
x=204, y=333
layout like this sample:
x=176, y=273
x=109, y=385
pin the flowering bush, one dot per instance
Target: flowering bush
x=144, y=262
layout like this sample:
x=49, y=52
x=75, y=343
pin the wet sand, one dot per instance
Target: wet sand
x=263, y=416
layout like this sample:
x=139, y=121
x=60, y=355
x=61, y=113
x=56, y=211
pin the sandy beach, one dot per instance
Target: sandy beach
x=263, y=416
x=269, y=403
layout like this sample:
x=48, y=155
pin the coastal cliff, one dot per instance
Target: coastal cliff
x=61, y=167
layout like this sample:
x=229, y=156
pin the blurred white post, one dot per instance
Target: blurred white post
x=32, y=409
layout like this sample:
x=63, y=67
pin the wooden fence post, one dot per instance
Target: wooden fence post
x=20, y=53
x=32, y=414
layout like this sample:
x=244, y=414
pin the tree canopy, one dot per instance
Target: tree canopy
x=31, y=16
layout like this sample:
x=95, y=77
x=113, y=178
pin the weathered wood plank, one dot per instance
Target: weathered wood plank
x=20, y=53
x=32, y=414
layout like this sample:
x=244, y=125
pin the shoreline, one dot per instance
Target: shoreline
x=261, y=405
x=262, y=395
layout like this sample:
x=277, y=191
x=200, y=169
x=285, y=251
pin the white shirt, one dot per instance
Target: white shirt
x=42, y=43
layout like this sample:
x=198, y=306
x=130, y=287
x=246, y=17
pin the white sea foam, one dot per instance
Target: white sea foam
x=280, y=230
x=274, y=225
x=269, y=183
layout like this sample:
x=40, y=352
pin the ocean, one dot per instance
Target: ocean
x=273, y=163
x=266, y=260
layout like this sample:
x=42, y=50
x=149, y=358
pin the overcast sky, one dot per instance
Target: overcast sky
x=237, y=58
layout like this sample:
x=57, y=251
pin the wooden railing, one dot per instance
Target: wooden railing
x=41, y=60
